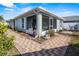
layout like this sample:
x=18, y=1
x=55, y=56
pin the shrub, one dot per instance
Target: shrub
x=60, y=30
x=64, y=29
x=51, y=32
x=3, y=27
x=16, y=29
x=13, y=27
x=6, y=43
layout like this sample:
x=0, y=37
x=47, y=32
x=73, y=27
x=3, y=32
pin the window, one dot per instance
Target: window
x=50, y=21
x=22, y=22
x=51, y=24
x=45, y=23
x=54, y=23
x=60, y=23
x=14, y=22
x=30, y=22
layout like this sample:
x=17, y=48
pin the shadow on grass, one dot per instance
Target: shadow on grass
x=73, y=50
x=47, y=52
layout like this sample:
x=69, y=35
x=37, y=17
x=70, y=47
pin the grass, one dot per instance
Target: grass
x=76, y=33
x=13, y=52
x=73, y=49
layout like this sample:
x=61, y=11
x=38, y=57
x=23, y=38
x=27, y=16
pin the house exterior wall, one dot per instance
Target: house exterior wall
x=18, y=24
x=11, y=24
x=59, y=24
x=68, y=25
x=39, y=31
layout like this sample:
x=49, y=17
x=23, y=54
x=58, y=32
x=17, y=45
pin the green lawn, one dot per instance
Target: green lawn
x=73, y=49
x=13, y=52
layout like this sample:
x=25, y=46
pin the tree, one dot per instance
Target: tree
x=6, y=42
x=1, y=18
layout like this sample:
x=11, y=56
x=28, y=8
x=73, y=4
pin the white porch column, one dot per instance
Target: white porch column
x=39, y=24
x=61, y=24
x=58, y=24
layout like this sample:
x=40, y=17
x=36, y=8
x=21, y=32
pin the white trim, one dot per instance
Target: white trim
x=30, y=15
x=40, y=9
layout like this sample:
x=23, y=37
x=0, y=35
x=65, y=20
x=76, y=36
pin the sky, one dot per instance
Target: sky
x=11, y=10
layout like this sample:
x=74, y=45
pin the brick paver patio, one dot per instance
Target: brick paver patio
x=56, y=46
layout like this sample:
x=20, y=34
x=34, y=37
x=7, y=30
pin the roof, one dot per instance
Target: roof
x=35, y=10
x=71, y=18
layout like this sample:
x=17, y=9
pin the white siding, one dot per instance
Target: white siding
x=18, y=24
x=70, y=24
x=59, y=24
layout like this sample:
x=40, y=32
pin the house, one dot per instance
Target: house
x=37, y=22
x=71, y=22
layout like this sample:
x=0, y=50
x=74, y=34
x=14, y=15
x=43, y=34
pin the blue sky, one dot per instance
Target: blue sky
x=11, y=10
